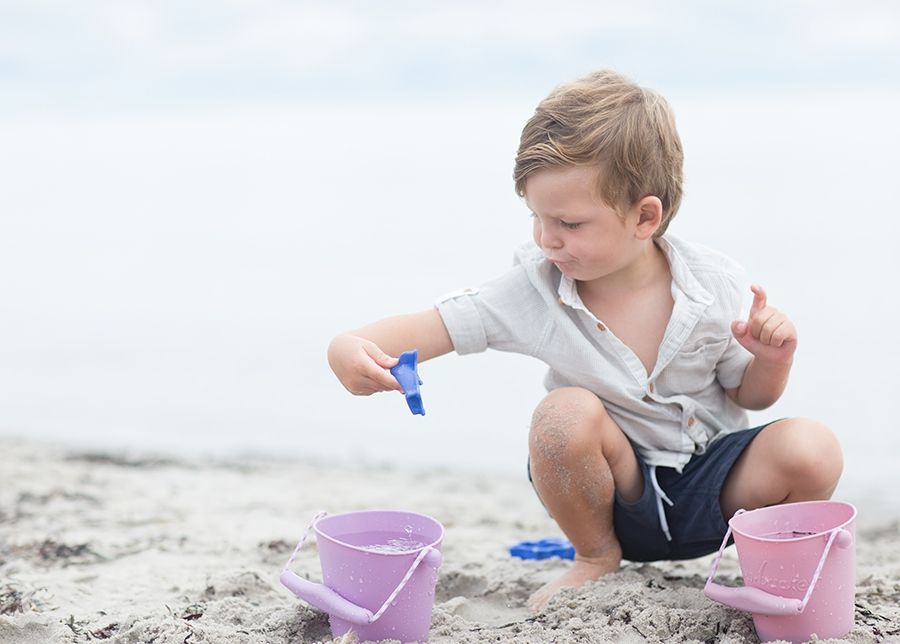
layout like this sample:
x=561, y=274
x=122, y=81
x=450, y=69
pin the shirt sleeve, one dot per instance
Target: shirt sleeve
x=506, y=314
x=460, y=315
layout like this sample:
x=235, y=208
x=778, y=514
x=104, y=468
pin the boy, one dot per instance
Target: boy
x=640, y=449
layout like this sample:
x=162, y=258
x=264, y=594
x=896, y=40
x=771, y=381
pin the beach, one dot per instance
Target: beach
x=124, y=546
x=198, y=198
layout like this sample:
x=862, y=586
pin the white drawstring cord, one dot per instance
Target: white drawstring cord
x=660, y=497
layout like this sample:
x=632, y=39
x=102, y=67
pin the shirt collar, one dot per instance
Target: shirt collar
x=683, y=279
x=682, y=276
x=568, y=293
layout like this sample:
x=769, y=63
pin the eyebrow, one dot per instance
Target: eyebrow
x=567, y=217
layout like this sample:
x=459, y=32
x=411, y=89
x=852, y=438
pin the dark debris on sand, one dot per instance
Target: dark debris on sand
x=12, y=600
x=121, y=460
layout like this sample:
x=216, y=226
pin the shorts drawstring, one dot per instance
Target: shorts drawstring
x=660, y=497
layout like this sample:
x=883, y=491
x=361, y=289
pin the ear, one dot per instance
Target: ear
x=648, y=212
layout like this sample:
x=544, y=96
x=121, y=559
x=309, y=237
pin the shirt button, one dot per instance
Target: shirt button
x=600, y=326
x=691, y=421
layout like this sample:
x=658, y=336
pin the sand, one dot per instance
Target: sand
x=127, y=547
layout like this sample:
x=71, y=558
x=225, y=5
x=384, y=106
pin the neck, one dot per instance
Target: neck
x=644, y=271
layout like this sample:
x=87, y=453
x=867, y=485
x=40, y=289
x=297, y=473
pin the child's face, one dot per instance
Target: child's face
x=584, y=237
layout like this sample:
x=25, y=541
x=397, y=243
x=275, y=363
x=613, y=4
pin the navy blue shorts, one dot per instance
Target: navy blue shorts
x=695, y=520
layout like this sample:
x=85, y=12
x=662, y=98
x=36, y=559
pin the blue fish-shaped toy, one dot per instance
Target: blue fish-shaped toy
x=407, y=374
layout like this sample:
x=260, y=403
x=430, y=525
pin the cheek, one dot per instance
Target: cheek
x=536, y=230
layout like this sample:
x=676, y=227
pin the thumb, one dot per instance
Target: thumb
x=382, y=359
x=741, y=332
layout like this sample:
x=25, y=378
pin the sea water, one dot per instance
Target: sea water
x=185, y=301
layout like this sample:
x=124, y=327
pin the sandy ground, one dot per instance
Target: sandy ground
x=131, y=548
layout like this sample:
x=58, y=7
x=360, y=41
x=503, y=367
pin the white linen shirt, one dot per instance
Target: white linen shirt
x=669, y=415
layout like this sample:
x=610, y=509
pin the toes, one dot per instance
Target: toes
x=538, y=601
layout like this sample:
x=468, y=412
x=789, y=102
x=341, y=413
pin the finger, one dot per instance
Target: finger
x=759, y=299
x=380, y=357
x=375, y=382
x=784, y=334
x=758, y=321
x=741, y=332
x=361, y=390
x=767, y=333
x=383, y=379
x=739, y=328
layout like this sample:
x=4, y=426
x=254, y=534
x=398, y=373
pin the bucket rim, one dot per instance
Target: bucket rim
x=434, y=543
x=799, y=538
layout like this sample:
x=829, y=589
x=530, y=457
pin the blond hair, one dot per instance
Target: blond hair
x=606, y=121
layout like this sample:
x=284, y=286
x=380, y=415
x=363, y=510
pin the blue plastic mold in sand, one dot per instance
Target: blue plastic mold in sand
x=543, y=549
x=407, y=374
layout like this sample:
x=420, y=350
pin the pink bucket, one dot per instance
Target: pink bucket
x=379, y=569
x=798, y=561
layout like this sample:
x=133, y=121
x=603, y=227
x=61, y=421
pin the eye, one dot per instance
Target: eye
x=569, y=226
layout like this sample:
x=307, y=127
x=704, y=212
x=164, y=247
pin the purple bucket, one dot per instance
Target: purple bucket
x=379, y=571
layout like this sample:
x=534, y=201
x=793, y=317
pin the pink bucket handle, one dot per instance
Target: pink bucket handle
x=759, y=601
x=325, y=599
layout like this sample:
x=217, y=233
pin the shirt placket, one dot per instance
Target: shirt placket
x=686, y=313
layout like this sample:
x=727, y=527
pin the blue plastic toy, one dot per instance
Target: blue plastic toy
x=543, y=549
x=407, y=374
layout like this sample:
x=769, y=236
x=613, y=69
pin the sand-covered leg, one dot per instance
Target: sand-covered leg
x=579, y=458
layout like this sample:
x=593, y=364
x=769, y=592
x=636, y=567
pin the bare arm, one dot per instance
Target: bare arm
x=361, y=359
x=763, y=384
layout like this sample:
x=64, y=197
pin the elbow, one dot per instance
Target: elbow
x=746, y=400
x=756, y=405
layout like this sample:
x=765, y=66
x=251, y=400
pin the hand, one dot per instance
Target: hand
x=768, y=334
x=361, y=366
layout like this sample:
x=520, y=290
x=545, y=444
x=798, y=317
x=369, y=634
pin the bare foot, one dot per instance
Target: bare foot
x=583, y=570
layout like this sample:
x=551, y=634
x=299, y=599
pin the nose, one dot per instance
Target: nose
x=543, y=237
x=548, y=239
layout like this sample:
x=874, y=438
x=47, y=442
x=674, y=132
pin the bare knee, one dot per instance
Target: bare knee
x=810, y=456
x=572, y=436
x=566, y=424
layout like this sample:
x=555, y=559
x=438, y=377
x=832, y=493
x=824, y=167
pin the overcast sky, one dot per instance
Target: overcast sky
x=182, y=179
x=112, y=55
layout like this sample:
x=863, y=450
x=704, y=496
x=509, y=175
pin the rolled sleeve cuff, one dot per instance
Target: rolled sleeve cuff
x=464, y=324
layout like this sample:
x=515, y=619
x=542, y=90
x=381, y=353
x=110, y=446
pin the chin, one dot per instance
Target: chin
x=582, y=275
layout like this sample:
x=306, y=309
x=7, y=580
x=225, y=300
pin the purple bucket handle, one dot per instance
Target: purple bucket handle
x=759, y=601
x=325, y=599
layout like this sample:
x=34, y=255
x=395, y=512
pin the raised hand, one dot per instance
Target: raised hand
x=768, y=333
